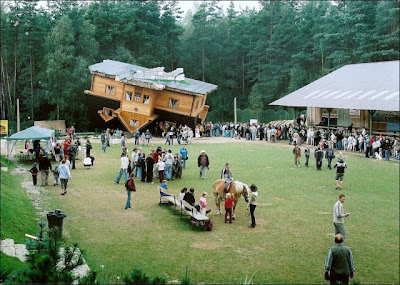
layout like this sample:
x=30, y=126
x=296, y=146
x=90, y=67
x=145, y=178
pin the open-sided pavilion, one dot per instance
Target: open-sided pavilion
x=352, y=94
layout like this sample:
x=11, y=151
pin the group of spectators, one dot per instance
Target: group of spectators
x=65, y=154
x=346, y=139
x=159, y=164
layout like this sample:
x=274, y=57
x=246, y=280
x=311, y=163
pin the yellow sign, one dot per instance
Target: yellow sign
x=4, y=127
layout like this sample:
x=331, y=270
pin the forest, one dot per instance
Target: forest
x=256, y=56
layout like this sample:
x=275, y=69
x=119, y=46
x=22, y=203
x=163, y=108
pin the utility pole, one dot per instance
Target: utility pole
x=18, y=120
x=234, y=106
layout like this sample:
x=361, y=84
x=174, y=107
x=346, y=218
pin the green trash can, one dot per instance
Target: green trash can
x=55, y=222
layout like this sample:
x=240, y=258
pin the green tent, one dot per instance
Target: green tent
x=32, y=133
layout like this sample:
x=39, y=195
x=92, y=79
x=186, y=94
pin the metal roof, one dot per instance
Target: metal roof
x=364, y=86
x=126, y=73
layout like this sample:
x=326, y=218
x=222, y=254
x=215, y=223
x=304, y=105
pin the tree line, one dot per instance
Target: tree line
x=256, y=56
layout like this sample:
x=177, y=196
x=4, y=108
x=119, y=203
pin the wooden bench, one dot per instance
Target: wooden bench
x=197, y=218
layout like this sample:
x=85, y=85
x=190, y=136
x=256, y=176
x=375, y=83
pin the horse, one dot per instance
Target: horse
x=237, y=189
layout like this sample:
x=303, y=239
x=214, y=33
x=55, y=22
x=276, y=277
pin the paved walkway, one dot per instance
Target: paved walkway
x=19, y=251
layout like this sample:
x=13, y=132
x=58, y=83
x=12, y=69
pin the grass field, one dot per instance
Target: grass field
x=294, y=219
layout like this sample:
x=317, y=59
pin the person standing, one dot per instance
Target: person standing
x=169, y=160
x=228, y=207
x=147, y=136
x=123, y=169
x=65, y=174
x=367, y=146
x=339, y=215
x=339, y=264
x=67, y=143
x=130, y=187
x=103, y=141
x=307, y=153
x=34, y=172
x=161, y=169
x=142, y=168
x=149, y=168
x=297, y=154
x=340, y=166
x=56, y=148
x=44, y=167
x=184, y=154
x=253, y=204
x=73, y=150
x=329, y=154
x=203, y=164
x=318, y=154
x=88, y=147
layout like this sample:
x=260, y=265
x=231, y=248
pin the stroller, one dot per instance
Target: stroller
x=88, y=161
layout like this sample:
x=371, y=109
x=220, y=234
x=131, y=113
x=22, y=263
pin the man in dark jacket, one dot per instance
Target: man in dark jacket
x=329, y=155
x=72, y=150
x=319, y=155
x=189, y=197
x=203, y=163
x=339, y=265
x=149, y=168
x=44, y=167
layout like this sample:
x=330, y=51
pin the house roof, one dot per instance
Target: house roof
x=129, y=73
x=365, y=86
x=32, y=133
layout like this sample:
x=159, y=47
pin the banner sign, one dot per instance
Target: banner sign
x=4, y=127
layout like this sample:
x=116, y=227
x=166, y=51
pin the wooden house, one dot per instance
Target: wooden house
x=132, y=97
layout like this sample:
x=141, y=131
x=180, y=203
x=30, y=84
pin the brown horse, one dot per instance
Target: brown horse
x=237, y=189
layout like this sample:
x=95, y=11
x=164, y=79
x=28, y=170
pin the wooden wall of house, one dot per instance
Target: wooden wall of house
x=184, y=102
x=138, y=107
x=100, y=83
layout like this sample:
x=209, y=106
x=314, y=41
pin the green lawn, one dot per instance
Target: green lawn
x=294, y=219
x=18, y=216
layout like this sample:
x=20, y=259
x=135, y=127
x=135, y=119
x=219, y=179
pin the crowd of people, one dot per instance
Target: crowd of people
x=345, y=139
x=163, y=165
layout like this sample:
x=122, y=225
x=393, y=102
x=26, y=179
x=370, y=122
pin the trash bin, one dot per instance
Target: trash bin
x=55, y=222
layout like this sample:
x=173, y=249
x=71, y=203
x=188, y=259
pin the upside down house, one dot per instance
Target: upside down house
x=132, y=97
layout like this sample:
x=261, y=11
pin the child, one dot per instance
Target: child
x=203, y=204
x=56, y=175
x=228, y=207
x=143, y=139
x=34, y=172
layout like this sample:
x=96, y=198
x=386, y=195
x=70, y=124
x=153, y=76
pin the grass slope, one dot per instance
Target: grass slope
x=18, y=216
x=294, y=219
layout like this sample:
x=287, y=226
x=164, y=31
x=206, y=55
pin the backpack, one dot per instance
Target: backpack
x=209, y=225
x=130, y=185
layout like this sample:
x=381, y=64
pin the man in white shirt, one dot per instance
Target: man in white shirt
x=161, y=168
x=124, y=168
x=339, y=215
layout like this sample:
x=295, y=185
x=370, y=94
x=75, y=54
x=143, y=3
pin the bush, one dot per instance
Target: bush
x=138, y=277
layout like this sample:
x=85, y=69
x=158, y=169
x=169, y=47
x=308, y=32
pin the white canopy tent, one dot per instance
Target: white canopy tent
x=32, y=133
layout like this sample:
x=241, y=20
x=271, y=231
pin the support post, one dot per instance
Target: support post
x=234, y=106
x=329, y=117
x=371, y=115
x=18, y=119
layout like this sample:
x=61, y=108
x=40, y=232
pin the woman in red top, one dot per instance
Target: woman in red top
x=67, y=143
x=229, y=206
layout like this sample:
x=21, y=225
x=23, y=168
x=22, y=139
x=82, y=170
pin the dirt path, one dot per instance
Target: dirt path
x=37, y=194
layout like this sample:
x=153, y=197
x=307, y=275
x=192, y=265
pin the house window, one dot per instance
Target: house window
x=107, y=112
x=110, y=90
x=146, y=99
x=128, y=96
x=173, y=103
x=134, y=123
x=138, y=97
